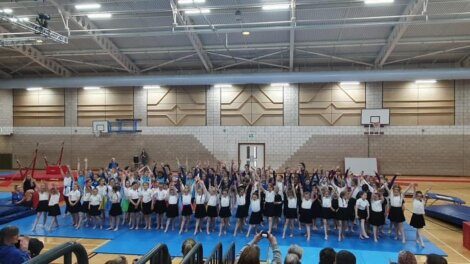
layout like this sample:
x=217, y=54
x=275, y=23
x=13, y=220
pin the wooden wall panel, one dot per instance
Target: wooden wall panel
x=44, y=108
x=252, y=105
x=105, y=104
x=176, y=106
x=331, y=104
x=414, y=104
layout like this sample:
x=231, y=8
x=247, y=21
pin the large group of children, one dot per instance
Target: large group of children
x=256, y=197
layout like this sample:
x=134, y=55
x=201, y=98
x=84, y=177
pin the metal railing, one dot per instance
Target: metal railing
x=229, y=257
x=195, y=256
x=65, y=250
x=216, y=255
x=158, y=255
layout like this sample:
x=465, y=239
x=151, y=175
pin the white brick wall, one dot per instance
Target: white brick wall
x=140, y=105
x=291, y=105
x=71, y=101
x=6, y=112
x=374, y=95
x=213, y=106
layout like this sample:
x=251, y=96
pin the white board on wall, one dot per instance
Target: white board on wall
x=357, y=165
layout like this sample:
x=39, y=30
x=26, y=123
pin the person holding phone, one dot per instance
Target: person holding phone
x=251, y=252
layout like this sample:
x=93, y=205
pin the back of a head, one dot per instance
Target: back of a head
x=296, y=250
x=250, y=255
x=345, y=257
x=435, y=259
x=35, y=247
x=406, y=257
x=118, y=260
x=292, y=259
x=188, y=244
x=7, y=233
x=327, y=256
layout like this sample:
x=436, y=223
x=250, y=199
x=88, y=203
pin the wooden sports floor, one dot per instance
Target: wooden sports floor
x=447, y=237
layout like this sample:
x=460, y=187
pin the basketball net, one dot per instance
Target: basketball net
x=374, y=129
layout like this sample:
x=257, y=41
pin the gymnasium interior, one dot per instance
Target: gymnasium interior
x=262, y=92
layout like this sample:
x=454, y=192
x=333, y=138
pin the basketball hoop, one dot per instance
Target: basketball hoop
x=97, y=133
x=374, y=128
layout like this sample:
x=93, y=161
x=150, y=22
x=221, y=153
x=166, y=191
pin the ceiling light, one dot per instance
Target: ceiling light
x=34, y=89
x=39, y=41
x=223, y=86
x=276, y=7
x=350, y=83
x=371, y=2
x=185, y=2
x=91, y=88
x=197, y=11
x=87, y=6
x=99, y=15
x=279, y=84
x=246, y=33
x=13, y=19
x=7, y=10
x=151, y=87
x=425, y=81
x=24, y=19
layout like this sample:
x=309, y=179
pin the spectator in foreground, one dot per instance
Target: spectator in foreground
x=435, y=259
x=188, y=244
x=35, y=247
x=345, y=257
x=292, y=259
x=406, y=257
x=296, y=250
x=118, y=260
x=327, y=256
x=9, y=252
x=250, y=254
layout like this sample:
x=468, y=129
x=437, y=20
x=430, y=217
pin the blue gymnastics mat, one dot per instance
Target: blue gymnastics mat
x=131, y=242
x=5, y=196
x=454, y=214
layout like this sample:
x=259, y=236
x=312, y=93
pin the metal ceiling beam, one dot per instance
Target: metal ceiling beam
x=397, y=32
x=254, y=60
x=243, y=78
x=336, y=57
x=193, y=37
x=39, y=58
x=5, y=74
x=292, y=35
x=104, y=43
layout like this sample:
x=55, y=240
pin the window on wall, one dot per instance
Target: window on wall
x=176, y=106
x=252, y=105
x=331, y=104
x=39, y=108
x=105, y=104
x=424, y=104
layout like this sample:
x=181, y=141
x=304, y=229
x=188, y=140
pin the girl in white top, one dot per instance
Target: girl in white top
x=417, y=219
x=291, y=212
x=116, y=211
x=67, y=187
x=362, y=213
x=396, y=214
x=94, y=208
x=54, y=209
x=269, y=204
x=201, y=197
x=134, y=205
x=75, y=205
x=342, y=214
x=327, y=209
x=224, y=212
x=146, y=205
x=42, y=207
x=212, y=203
x=186, y=210
x=172, y=208
x=377, y=217
x=305, y=213
x=159, y=203
x=255, y=205
x=242, y=211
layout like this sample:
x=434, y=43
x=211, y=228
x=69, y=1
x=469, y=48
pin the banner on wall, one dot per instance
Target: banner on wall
x=358, y=165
